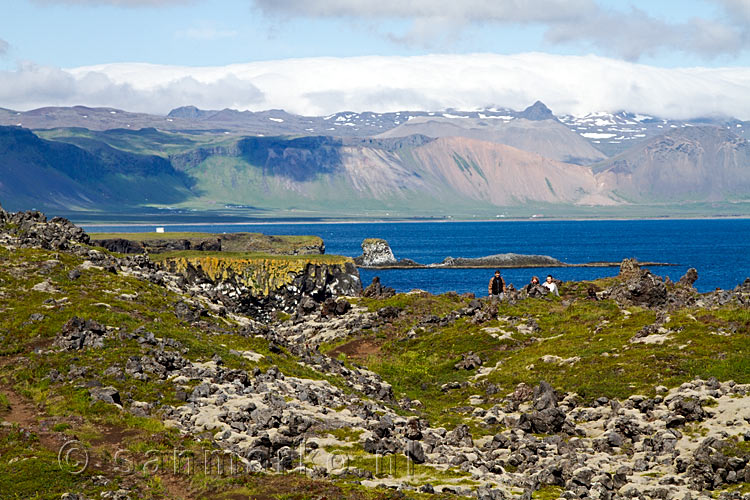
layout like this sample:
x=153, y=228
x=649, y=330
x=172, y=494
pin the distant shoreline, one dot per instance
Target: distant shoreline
x=410, y=221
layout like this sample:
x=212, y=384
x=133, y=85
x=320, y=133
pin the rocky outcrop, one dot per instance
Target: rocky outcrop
x=376, y=290
x=206, y=242
x=376, y=252
x=259, y=285
x=122, y=245
x=78, y=333
x=255, y=286
x=639, y=287
x=32, y=229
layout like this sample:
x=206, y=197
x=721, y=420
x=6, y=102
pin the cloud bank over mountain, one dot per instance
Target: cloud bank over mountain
x=314, y=86
x=627, y=32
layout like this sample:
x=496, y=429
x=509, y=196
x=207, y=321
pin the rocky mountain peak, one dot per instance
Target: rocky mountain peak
x=189, y=113
x=537, y=112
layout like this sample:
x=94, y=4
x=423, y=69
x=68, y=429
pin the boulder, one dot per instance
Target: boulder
x=690, y=409
x=188, y=312
x=470, y=361
x=415, y=452
x=78, y=333
x=535, y=290
x=376, y=252
x=389, y=312
x=377, y=291
x=629, y=268
x=460, y=436
x=544, y=397
x=690, y=277
x=332, y=307
x=413, y=430
x=120, y=245
x=546, y=421
x=639, y=287
x=108, y=395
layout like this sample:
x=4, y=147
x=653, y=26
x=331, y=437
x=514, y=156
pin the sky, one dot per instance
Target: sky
x=676, y=59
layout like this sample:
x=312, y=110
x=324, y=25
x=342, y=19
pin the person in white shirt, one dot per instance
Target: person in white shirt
x=551, y=285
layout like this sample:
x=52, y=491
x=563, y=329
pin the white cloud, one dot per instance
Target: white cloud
x=629, y=33
x=4, y=46
x=319, y=86
x=635, y=33
x=32, y=86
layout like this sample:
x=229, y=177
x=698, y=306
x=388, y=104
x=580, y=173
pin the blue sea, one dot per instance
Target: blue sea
x=718, y=249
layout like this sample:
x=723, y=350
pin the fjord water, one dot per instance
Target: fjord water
x=718, y=248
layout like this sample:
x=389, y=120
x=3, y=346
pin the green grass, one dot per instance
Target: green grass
x=29, y=471
x=736, y=447
x=4, y=404
x=393, y=466
x=547, y=493
x=345, y=434
x=298, y=487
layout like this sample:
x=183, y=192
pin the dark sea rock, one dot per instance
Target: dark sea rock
x=502, y=260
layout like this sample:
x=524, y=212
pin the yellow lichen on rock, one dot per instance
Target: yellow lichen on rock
x=262, y=274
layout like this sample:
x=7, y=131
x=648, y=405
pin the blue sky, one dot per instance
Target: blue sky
x=681, y=58
x=69, y=33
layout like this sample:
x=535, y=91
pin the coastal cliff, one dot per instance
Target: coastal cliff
x=132, y=243
x=251, y=282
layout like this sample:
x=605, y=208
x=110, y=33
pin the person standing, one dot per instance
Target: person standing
x=551, y=286
x=496, y=288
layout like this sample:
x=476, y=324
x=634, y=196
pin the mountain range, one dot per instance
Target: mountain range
x=488, y=163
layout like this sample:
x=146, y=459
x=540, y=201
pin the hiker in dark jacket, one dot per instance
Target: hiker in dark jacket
x=496, y=288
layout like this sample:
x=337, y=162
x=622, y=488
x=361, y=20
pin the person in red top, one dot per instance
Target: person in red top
x=496, y=288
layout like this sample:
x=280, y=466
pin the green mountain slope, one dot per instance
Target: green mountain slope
x=689, y=172
x=53, y=175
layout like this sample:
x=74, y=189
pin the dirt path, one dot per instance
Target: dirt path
x=32, y=418
x=357, y=349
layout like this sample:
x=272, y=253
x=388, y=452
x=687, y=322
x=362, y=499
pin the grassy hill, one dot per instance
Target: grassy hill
x=42, y=174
